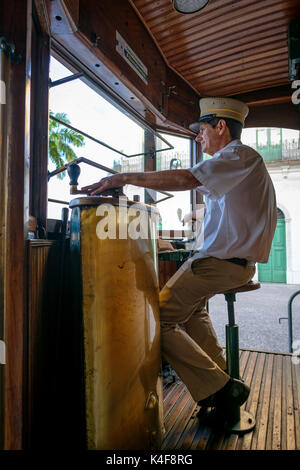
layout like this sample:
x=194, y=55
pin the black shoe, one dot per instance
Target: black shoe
x=232, y=395
x=234, y=390
x=207, y=402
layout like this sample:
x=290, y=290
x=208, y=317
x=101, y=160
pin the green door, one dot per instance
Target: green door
x=275, y=269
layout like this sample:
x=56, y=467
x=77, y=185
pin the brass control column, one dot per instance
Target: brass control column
x=116, y=283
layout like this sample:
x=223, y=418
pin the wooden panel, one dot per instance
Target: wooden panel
x=166, y=271
x=15, y=25
x=43, y=277
x=39, y=126
x=55, y=413
x=222, y=36
x=283, y=115
x=274, y=401
x=93, y=43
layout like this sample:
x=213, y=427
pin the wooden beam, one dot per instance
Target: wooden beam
x=282, y=115
x=269, y=101
x=91, y=40
x=39, y=126
x=15, y=25
x=266, y=97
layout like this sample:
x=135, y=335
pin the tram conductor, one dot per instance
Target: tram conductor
x=237, y=232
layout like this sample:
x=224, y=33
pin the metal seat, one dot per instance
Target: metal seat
x=241, y=421
x=245, y=288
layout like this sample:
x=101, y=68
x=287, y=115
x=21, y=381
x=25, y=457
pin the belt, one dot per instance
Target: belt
x=241, y=261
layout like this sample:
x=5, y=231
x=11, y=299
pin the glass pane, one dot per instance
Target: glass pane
x=174, y=209
x=262, y=137
x=88, y=111
x=283, y=144
x=249, y=137
x=290, y=144
x=275, y=136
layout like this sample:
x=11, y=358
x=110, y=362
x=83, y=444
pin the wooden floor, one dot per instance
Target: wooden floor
x=274, y=401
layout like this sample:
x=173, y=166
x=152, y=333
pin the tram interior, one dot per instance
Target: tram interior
x=88, y=89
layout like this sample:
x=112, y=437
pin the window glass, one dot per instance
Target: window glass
x=290, y=144
x=249, y=137
x=174, y=209
x=262, y=137
x=273, y=143
x=275, y=136
x=88, y=111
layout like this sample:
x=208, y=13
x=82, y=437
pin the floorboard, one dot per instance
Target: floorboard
x=274, y=402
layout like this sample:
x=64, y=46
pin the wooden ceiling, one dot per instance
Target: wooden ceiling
x=230, y=47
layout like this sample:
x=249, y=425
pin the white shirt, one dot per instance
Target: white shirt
x=240, y=217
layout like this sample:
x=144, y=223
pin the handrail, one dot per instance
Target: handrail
x=63, y=123
x=290, y=319
x=101, y=167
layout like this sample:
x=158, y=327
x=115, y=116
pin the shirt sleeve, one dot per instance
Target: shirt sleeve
x=225, y=170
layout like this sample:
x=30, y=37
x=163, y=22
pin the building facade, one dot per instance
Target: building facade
x=280, y=150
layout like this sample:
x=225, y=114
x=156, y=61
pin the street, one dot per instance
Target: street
x=257, y=313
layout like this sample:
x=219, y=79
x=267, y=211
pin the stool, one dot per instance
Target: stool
x=241, y=420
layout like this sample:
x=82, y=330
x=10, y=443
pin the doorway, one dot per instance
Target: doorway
x=275, y=269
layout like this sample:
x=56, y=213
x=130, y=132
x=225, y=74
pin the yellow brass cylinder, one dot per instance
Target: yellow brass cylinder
x=121, y=326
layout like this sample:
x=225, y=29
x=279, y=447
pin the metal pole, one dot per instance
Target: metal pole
x=2, y=236
x=232, y=349
x=240, y=420
x=232, y=339
x=290, y=320
x=61, y=81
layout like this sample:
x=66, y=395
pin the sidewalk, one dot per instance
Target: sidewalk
x=257, y=313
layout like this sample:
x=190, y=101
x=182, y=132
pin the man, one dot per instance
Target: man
x=237, y=231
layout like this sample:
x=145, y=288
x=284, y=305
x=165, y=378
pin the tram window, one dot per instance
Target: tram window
x=91, y=113
x=273, y=144
x=275, y=136
x=262, y=137
x=173, y=210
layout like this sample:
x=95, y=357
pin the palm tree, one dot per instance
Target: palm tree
x=61, y=140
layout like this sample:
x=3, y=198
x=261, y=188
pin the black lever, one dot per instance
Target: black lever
x=74, y=172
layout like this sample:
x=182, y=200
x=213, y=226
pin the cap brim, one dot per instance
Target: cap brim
x=195, y=127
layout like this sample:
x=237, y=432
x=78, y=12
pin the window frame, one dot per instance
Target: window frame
x=109, y=95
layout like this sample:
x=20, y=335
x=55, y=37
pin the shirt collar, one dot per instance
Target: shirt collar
x=232, y=143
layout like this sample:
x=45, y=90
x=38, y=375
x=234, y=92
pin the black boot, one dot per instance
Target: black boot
x=229, y=399
x=234, y=393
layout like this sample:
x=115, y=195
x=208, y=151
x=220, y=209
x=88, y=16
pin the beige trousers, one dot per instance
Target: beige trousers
x=189, y=342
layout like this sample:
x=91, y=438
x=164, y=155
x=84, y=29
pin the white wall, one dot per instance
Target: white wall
x=286, y=180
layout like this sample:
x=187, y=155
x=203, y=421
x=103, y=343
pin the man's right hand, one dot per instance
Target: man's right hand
x=104, y=184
